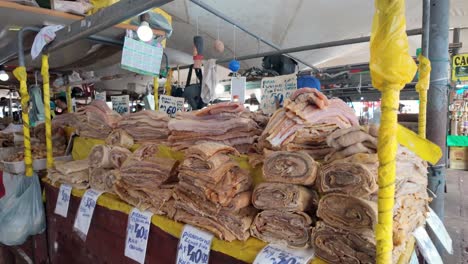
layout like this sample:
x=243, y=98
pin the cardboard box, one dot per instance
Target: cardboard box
x=458, y=153
x=459, y=164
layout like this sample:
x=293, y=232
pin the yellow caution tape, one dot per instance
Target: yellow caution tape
x=48, y=121
x=156, y=93
x=69, y=100
x=391, y=68
x=422, y=147
x=21, y=75
x=421, y=87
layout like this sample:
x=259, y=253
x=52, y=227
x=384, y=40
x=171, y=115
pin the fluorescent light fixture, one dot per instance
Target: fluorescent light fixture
x=4, y=76
x=144, y=32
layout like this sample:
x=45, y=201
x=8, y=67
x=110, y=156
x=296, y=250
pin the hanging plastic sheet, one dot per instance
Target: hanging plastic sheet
x=391, y=68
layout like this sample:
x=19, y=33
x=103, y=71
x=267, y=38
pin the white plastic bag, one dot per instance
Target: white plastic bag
x=21, y=209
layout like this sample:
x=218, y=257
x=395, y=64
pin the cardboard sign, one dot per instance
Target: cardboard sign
x=427, y=248
x=63, y=200
x=460, y=67
x=171, y=104
x=274, y=254
x=121, y=104
x=194, y=246
x=137, y=234
x=275, y=90
x=238, y=85
x=86, y=210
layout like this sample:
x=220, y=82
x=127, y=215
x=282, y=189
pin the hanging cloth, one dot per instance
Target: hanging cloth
x=210, y=81
x=44, y=37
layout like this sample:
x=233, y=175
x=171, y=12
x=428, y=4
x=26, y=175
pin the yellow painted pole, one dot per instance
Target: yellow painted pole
x=168, y=84
x=391, y=68
x=48, y=120
x=156, y=93
x=421, y=87
x=21, y=75
x=69, y=100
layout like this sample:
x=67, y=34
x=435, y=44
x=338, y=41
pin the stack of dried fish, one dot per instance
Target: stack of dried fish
x=146, y=126
x=104, y=163
x=285, y=200
x=222, y=123
x=348, y=207
x=74, y=173
x=146, y=181
x=304, y=123
x=213, y=193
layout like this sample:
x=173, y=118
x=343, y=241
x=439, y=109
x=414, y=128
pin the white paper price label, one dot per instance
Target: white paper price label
x=439, y=229
x=170, y=104
x=86, y=210
x=194, y=246
x=137, y=234
x=276, y=254
x=121, y=104
x=426, y=246
x=63, y=200
x=276, y=90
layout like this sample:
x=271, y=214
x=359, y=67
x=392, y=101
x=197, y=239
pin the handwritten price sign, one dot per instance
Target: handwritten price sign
x=276, y=90
x=137, y=234
x=275, y=254
x=170, y=104
x=86, y=210
x=121, y=104
x=194, y=246
x=63, y=200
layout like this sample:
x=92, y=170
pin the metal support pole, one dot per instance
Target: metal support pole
x=426, y=16
x=437, y=98
x=21, y=62
x=236, y=24
x=456, y=40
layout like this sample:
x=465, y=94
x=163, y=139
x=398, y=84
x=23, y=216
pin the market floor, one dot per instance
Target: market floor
x=456, y=215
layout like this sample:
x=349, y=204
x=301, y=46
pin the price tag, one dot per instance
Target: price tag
x=194, y=246
x=439, y=229
x=137, y=234
x=276, y=254
x=121, y=104
x=170, y=104
x=63, y=200
x=86, y=210
x=426, y=246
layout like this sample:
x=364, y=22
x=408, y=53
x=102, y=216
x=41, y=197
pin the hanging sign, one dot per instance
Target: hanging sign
x=63, y=200
x=460, y=67
x=141, y=57
x=121, y=104
x=238, y=85
x=137, y=234
x=275, y=254
x=275, y=90
x=439, y=229
x=170, y=104
x=194, y=246
x=86, y=210
x=100, y=96
x=427, y=248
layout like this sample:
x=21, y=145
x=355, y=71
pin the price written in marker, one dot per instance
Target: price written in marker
x=86, y=210
x=194, y=246
x=276, y=90
x=63, y=200
x=276, y=254
x=170, y=104
x=137, y=234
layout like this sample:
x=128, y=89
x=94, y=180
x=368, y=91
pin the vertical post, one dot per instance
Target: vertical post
x=48, y=120
x=437, y=98
x=69, y=100
x=424, y=69
x=156, y=93
x=456, y=40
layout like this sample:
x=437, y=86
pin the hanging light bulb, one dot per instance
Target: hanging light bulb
x=144, y=32
x=3, y=75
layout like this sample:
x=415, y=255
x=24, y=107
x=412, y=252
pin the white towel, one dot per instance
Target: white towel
x=209, y=81
x=44, y=37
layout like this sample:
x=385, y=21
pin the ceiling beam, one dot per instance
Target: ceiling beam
x=101, y=20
